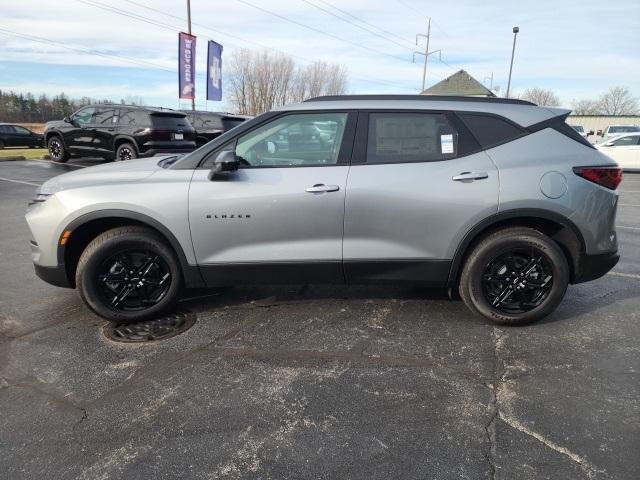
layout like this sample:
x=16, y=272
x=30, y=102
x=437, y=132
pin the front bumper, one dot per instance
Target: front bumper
x=54, y=275
x=591, y=267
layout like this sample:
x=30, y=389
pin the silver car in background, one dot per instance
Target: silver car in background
x=498, y=198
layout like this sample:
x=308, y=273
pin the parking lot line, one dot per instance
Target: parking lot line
x=626, y=275
x=627, y=205
x=20, y=181
x=58, y=163
x=625, y=227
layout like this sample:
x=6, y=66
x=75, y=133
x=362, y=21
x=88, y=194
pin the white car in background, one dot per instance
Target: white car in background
x=624, y=149
x=615, y=130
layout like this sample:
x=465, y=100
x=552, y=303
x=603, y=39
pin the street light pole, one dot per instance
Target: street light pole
x=513, y=50
x=193, y=100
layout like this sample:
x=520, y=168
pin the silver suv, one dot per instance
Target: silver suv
x=498, y=198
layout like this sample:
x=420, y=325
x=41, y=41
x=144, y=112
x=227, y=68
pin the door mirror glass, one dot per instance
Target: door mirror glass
x=225, y=163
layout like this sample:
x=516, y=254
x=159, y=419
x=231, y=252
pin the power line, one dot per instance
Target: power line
x=321, y=32
x=130, y=14
x=33, y=38
x=365, y=22
x=353, y=23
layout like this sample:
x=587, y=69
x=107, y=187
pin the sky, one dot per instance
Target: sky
x=113, y=49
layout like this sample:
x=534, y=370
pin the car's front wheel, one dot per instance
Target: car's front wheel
x=129, y=274
x=514, y=276
x=57, y=151
x=126, y=151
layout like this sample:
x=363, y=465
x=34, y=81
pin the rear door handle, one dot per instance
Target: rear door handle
x=470, y=176
x=321, y=187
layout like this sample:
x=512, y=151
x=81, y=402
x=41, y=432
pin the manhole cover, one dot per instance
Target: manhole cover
x=151, y=330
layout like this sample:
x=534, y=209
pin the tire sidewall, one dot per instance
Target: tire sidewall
x=97, y=252
x=487, y=252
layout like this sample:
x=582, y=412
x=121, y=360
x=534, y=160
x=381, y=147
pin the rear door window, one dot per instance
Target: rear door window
x=104, y=116
x=410, y=137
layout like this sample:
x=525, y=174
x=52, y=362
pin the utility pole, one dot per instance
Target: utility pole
x=513, y=50
x=193, y=100
x=426, y=54
x=491, y=80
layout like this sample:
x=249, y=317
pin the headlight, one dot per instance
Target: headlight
x=39, y=198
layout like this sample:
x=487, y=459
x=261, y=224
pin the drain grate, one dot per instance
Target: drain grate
x=151, y=330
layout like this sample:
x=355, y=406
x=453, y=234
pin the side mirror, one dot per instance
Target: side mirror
x=599, y=133
x=67, y=120
x=225, y=162
x=591, y=132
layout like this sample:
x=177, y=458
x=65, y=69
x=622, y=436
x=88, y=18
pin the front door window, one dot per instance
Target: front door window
x=298, y=140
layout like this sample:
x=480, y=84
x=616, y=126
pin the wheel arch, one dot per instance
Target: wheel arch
x=87, y=227
x=558, y=227
x=120, y=139
x=53, y=133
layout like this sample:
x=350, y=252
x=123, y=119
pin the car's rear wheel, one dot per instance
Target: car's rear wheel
x=1, y=145
x=514, y=276
x=126, y=151
x=57, y=151
x=129, y=274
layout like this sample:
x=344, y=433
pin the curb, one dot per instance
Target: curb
x=13, y=159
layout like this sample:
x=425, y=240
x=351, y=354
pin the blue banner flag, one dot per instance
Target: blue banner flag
x=214, y=71
x=187, y=65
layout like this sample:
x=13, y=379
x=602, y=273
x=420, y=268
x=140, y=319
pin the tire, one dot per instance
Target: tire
x=489, y=288
x=57, y=150
x=126, y=151
x=116, y=253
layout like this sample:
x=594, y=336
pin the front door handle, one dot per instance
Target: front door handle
x=321, y=187
x=470, y=176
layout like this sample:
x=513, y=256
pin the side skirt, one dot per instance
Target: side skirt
x=433, y=273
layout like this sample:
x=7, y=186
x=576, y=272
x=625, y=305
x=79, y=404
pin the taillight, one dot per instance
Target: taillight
x=609, y=177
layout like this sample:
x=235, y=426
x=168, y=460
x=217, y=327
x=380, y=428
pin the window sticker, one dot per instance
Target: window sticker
x=446, y=143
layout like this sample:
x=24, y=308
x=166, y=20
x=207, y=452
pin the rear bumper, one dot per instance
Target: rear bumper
x=149, y=149
x=54, y=275
x=591, y=267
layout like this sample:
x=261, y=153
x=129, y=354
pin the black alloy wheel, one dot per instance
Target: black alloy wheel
x=125, y=151
x=57, y=150
x=514, y=276
x=518, y=280
x=133, y=280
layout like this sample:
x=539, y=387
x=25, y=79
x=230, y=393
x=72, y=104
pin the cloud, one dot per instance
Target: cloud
x=577, y=48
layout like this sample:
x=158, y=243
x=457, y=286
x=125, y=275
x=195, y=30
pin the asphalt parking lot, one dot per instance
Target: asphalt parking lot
x=317, y=382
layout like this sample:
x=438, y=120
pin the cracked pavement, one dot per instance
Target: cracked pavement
x=318, y=381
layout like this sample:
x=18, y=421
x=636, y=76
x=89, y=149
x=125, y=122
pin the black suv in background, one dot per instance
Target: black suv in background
x=210, y=125
x=119, y=132
x=16, y=136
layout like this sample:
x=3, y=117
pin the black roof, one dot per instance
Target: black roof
x=425, y=98
x=207, y=112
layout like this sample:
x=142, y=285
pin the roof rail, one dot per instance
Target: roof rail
x=432, y=98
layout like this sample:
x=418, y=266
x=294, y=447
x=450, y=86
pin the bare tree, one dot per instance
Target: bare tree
x=586, y=107
x=542, y=97
x=618, y=101
x=260, y=81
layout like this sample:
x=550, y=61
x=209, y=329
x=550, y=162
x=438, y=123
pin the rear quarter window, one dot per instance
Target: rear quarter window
x=490, y=130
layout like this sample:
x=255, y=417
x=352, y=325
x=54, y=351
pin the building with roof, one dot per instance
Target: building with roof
x=460, y=83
